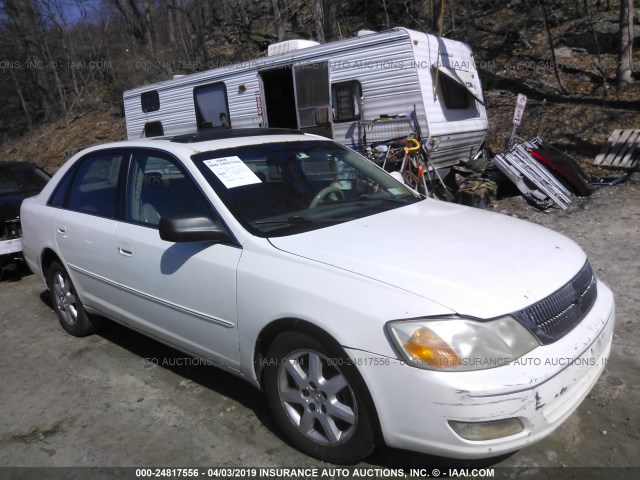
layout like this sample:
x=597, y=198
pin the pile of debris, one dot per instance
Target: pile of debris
x=544, y=175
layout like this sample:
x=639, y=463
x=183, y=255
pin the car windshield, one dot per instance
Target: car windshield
x=21, y=179
x=281, y=188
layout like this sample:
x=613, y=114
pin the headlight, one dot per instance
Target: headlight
x=460, y=344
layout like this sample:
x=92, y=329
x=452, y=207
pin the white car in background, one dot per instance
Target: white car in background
x=353, y=303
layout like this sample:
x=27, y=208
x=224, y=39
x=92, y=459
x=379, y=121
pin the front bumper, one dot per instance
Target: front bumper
x=541, y=389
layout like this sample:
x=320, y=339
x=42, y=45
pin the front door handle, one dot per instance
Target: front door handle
x=62, y=229
x=125, y=249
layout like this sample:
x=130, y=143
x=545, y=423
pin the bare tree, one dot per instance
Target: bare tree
x=139, y=21
x=624, y=74
x=171, y=21
x=277, y=17
x=438, y=12
x=386, y=14
x=23, y=103
x=23, y=21
x=545, y=17
x=331, y=20
x=318, y=17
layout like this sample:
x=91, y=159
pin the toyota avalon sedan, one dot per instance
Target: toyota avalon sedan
x=349, y=300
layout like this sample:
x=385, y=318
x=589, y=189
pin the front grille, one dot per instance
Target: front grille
x=556, y=315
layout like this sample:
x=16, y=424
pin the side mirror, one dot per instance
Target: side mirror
x=189, y=228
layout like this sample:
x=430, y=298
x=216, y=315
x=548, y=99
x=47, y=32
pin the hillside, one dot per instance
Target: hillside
x=511, y=48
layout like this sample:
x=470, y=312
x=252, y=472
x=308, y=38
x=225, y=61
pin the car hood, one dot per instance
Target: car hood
x=473, y=262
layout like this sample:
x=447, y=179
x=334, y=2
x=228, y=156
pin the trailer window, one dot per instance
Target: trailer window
x=153, y=129
x=212, y=108
x=345, y=99
x=456, y=97
x=150, y=101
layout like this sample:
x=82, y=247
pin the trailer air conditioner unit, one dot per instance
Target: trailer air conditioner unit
x=289, y=46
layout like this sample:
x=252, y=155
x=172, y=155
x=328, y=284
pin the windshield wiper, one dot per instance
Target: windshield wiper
x=293, y=219
x=403, y=201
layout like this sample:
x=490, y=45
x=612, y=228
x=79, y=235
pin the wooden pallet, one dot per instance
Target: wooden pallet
x=622, y=150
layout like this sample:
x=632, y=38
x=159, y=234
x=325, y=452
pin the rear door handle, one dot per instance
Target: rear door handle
x=62, y=229
x=125, y=249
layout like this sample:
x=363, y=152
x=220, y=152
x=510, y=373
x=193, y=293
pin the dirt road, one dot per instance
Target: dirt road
x=119, y=399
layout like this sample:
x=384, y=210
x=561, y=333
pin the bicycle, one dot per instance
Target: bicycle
x=408, y=157
x=413, y=167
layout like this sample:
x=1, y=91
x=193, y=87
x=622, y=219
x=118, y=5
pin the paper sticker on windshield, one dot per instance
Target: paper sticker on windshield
x=396, y=191
x=232, y=171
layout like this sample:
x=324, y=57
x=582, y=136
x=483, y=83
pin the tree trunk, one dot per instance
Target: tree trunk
x=23, y=103
x=437, y=14
x=386, y=14
x=331, y=20
x=599, y=66
x=277, y=18
x=202, y=33
x=24, y=20
x=150, y=30
x=545, y=17
x=171, y=21
x=624, y=74
x=139, y=22
x=318, y=17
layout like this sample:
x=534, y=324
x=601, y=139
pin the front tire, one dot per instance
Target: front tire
x=317, y=398
x=67, y=305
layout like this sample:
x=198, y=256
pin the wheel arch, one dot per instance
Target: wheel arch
x=46, y=259
x=270, y=332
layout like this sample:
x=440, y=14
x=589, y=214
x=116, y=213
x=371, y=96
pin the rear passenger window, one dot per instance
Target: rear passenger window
x=95, y=186
x=158, y=188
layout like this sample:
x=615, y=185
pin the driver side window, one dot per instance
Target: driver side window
x=158, y=188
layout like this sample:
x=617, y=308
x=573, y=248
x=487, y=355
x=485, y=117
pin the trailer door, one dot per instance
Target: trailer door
x=313, y=98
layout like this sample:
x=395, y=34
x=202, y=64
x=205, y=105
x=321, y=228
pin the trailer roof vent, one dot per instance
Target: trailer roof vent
x=289, y=46
x=364, y=33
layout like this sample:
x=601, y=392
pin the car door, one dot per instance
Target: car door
x=85, y=219
x=181, y=293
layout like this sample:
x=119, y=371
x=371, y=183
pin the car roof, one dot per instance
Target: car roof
x=190, y=144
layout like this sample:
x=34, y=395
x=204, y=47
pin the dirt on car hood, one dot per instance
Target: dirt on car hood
x=474, y=262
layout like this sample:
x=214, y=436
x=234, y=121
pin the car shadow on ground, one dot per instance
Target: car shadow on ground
x=242, y=392
x=392, y=458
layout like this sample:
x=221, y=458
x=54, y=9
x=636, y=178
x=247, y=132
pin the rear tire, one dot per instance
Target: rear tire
x=67, y=305
x=318, y=399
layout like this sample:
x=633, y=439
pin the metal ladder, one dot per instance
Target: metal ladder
x=534, y=181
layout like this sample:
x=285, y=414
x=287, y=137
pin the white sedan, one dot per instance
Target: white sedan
x=363, y=311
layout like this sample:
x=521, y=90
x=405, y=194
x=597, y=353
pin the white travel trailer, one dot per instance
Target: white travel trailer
x=350, y=90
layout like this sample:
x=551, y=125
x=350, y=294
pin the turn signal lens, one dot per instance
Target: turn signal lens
x=427, y=346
